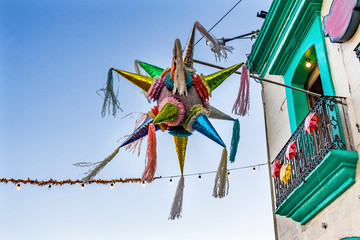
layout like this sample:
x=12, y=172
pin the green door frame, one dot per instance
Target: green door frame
x=296, y=73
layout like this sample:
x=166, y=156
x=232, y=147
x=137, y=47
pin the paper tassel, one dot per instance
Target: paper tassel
x=242, y=102
x=135, y=146
x=176, y=208
x=110, y=98
x=150, y=168
x=219, y=50
x=234, y=140
x=155, y=88
x=221, y=187
x=99, y=166
x=133, y=141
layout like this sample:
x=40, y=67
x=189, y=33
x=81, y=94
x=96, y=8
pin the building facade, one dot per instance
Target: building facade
x=313, y=134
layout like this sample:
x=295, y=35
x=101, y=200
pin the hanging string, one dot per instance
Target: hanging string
x=105, y=182
x=212, y=172
x=68, y=181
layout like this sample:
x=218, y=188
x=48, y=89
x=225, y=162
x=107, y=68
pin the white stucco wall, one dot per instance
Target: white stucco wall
x=345, y=71
x=343, y=215
x=276, y=112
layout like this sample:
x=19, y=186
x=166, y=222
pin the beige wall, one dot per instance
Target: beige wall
x=345, y=71
x=343, y=215
x=276, y=112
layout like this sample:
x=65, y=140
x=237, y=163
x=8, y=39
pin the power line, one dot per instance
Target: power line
x=219, y=21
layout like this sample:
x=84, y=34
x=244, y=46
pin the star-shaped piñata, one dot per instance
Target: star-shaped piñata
x=182, y=108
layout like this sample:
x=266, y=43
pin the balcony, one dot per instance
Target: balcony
x=324, y=164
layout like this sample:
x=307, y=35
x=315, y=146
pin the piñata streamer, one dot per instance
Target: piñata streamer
x=234, y=140
x=221, y=187
x=242, y=102
x=150, y=169
x=110, y=98
x=176, y=208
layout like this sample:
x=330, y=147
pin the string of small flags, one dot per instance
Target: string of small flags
x=54, y=182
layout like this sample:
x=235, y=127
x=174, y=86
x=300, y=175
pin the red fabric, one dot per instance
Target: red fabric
x=290, y=151
x=310, y=123
x=275, y=169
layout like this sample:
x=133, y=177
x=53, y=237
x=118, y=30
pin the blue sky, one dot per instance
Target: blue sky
x=54, y=56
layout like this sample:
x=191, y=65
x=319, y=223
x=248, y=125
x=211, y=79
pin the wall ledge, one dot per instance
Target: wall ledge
x=332, y=177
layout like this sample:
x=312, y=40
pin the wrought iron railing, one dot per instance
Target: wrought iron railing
x=331, y=132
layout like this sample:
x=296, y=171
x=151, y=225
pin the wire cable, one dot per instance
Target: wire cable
x=210, y=172
x=219, y=21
